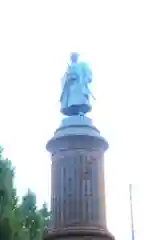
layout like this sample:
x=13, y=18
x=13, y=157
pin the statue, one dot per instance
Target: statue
x=75, y=91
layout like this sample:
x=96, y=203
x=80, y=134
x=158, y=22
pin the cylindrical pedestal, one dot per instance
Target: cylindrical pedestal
x=78, y=193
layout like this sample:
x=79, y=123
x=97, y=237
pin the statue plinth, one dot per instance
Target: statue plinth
x=78, y=192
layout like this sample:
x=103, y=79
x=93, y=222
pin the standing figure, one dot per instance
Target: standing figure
x=75, y=91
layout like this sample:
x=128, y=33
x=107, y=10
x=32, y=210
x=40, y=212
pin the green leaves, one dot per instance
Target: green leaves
x=6, y=185
x=28, y=202
x=19, y=221
x=45, y=214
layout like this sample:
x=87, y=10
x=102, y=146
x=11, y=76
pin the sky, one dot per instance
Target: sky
x=121, y=42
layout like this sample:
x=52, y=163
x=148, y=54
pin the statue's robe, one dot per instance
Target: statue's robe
x=75, y=90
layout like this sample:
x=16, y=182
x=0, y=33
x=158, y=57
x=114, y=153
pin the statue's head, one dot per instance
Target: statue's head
x=74, y=57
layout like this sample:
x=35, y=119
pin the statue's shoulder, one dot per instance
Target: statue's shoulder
x=85, y=66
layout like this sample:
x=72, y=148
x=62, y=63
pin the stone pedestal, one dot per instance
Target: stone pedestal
x=78, y=192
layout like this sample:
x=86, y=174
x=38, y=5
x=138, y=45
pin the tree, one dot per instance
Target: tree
x=45, y=215
x=19, y=221
x=32, y=218
x=6, y=187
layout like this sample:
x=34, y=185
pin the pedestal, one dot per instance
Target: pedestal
x=78, y=192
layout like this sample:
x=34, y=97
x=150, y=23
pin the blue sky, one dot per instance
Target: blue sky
x=120, y=41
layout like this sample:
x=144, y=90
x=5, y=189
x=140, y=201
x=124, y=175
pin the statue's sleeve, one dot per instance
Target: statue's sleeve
x=88, y=73
x=63, y=79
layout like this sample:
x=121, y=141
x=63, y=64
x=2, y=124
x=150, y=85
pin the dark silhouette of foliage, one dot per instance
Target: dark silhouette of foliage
x=19, y=221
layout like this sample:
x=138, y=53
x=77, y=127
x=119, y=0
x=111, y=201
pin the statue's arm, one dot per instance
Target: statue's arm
x=88, y=73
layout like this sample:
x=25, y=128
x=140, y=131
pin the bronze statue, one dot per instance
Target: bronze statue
x=75, y=90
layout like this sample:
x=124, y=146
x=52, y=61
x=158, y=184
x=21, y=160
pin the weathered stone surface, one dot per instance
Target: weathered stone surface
x=78, y=194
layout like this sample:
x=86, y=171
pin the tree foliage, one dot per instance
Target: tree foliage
x=19, y=221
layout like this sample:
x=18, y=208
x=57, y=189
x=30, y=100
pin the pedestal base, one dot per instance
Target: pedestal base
x=78, y=192
x=79, y=234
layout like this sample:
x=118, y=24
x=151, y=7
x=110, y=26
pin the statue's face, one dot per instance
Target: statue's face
x=74, y=57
